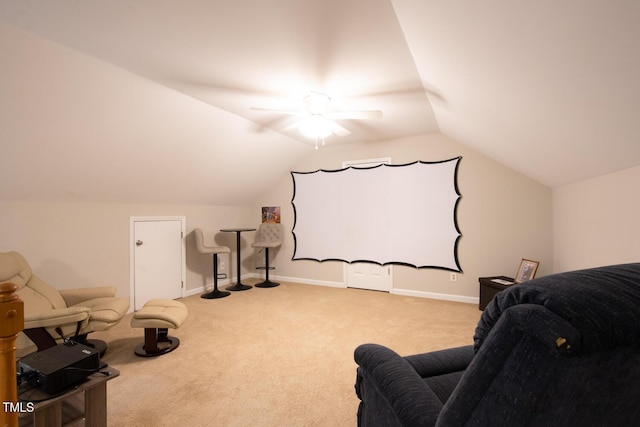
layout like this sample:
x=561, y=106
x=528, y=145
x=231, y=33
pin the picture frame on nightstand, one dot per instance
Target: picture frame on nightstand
x=526, y=270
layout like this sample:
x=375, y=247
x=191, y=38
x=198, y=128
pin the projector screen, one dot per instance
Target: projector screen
x=387, y=214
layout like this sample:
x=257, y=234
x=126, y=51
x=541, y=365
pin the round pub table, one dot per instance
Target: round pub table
x=238, y=286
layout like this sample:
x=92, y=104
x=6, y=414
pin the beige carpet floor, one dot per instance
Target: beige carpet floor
x=272, y=357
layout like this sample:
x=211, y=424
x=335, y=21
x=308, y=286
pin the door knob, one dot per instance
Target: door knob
x=139, y=242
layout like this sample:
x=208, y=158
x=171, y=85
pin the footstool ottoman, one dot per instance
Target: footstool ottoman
x=156, y=317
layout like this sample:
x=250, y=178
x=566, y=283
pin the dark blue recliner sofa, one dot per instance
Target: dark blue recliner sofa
x=561, y=350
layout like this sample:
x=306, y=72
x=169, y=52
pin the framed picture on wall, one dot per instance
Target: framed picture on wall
x=527, y=270
x=271, y=214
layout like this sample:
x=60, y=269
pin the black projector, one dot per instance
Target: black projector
x=59, y=367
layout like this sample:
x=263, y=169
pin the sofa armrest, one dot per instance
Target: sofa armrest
x=78, y=296
x=391, y=391
x=441, y=362
x=56, y=317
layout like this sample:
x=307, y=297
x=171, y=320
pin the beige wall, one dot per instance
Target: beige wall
x=595, y=221
x=503, y=216
x=87, y=244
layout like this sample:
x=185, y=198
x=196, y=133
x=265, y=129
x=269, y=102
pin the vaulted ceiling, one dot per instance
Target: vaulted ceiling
x=549, y=88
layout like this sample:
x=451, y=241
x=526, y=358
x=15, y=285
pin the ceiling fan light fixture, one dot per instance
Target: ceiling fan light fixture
x=316, y=126
x=317, y=103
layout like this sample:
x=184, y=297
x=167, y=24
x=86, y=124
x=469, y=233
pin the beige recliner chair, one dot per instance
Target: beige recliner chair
x=51, y=315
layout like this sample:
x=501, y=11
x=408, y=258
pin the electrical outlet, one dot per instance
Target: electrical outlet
x=454, y=277
x=222, y=267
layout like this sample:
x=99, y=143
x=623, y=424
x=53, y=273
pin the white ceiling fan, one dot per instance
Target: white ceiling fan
x=318, y=119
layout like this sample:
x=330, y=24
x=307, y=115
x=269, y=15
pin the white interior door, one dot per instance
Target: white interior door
x=158, y=259
x=365, y=275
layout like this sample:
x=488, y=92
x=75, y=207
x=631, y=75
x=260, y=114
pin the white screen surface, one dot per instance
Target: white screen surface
x=388, y=214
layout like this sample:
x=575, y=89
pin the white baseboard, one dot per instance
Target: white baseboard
x=403, y=292
x=209, y=287
x=308, y=281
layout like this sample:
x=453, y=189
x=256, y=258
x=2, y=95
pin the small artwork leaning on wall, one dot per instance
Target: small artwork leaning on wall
x=271, y=214
x=527, y=270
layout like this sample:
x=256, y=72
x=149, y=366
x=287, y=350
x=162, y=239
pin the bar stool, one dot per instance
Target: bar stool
x=215, y=250
x=268, y=236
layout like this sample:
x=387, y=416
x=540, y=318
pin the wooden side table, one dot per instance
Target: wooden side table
x=70, y=407
x=490, y=287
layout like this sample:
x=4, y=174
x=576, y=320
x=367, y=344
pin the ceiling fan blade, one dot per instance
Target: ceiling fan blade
x=406, y=90
x=271, y=110
x=355, y=115
x=339, y=130
x=335, y=128
x=292, y=126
